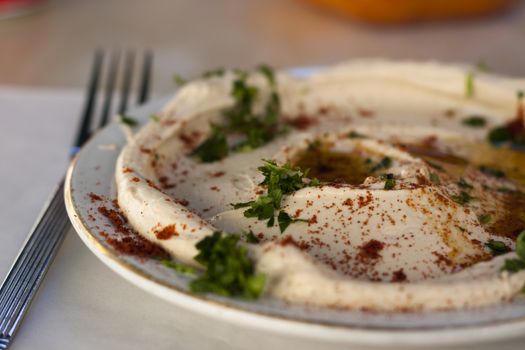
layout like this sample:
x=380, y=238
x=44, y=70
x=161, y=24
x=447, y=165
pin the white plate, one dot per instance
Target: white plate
x=92, y=172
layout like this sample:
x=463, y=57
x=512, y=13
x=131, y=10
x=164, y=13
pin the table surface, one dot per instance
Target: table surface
x=82, y=302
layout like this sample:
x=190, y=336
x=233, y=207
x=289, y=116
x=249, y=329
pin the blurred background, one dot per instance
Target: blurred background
x=50, y=43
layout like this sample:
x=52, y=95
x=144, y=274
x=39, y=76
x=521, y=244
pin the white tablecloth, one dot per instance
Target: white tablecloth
x=82, y=304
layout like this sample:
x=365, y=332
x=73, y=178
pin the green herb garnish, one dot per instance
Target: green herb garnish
x=475, y=121
x=253, y=130
x=497, y=247
x=469, y=85
x=217, y=72
x=154, y=117
x=251, y=238
x=518, y=263
x=434, y=178
x=180, y=268
x=213, y=148
x=284, y=220
x=179, y=80
x=355, y=135
x=280, y=181
x=127, y=120
x=464, y=184
x=484, y=219
x=384, y=163
x=491, y=171
x=390, y=181
x=463, y=198
x=229, y=269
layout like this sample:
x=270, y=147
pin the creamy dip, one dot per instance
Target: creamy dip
x=417, y=243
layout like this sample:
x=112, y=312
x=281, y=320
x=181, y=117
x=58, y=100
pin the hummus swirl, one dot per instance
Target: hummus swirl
x=417, y=243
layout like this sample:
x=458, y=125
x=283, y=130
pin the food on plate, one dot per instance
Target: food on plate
x=372, y=185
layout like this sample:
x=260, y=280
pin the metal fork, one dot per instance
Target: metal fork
x=34, y=259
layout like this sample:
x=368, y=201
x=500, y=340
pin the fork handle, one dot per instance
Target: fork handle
x=32, y=263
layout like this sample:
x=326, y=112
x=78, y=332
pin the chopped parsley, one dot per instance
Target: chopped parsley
x=497, y=247
x=179, y=80
x=284, y=220
x=154, y=117
x=355, y=135
x=390, y=181
x=280, y=181
x=213, y=148
x=384, y=163
x=464, y=184
x=127, y=120
x=469, y=85
x=518, y=263
x=504, y=189
x=229, y=270
x=491, y=171
x=484, y=219
x=217, y=72
x=434, y=178
x=250, y=129
x=475, y=121
x=178, y=267
x=435, y=165
x=513, y=131
x=463, y=198
x=251, y=238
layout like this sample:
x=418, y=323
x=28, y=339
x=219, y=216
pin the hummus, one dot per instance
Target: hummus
x=408, y=197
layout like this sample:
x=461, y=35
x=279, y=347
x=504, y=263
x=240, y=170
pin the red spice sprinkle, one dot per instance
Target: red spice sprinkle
x=167, y=232
x=94, y=197
x=129, y=242
x=127, y=170
x=215, y=188
x=218, y=174
x=365, y=113
x=135, y=179
x=145, y=150
x=303, y=122
x=313, y=220
x=288, y=240
x=399, y=276
x=371, y=249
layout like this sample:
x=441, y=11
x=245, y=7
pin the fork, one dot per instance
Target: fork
x=41, y=246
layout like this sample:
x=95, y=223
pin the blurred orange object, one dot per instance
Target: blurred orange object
x=405, y=11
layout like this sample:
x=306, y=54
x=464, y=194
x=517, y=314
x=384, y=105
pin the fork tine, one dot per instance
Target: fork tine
x=110, y=85
x=146, y=77
x=91, y=99
x=127, y=80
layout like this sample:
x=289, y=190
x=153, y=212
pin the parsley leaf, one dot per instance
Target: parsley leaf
x=390, y=181
x=280, y=181
x=217, y=72
x=229, y=269
x=463, y=198
x=253, y=130
x=517, y=264
x=475, y=121
x=251, y=238
x=178, y=267
x=469, y=85
x=497, y=247
x=464, y=184
x=484, y=219
x=491, y=171
x=434, y=178
x=179, y=80
x=154, y=117
x=284, y=220
x=384, y=163
x=355, y=135
x=213, y=148
x=127, y=120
